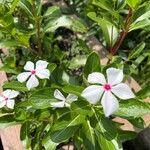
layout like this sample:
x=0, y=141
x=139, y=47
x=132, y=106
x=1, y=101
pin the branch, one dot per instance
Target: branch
x=123, y=33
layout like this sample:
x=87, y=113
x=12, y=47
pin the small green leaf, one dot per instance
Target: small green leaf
x=73, y=89
x=137, y=122
x=144, y=93
x=133, y=3
x=57, y=22
x=81, y=107
x=139, y=25
x=77, y=62
x=51, y=10
x=26, y=6
x=49, y=144
x=92, y=64
x=15, y=86
x=7, y=120
x=9, y=43
x=106, y=5
x=25, y=135
x=126, y=135
x=137, y=50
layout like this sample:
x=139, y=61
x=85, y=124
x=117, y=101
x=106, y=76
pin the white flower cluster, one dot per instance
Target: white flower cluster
x=103, y=89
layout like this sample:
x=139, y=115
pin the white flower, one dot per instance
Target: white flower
x=108, y=88
x=65, y=102
x=7, y=98
x=38, y=70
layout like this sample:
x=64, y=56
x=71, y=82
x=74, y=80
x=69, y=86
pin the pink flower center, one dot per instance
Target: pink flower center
x=33, y=72
x=6, y=98
x=107, y=87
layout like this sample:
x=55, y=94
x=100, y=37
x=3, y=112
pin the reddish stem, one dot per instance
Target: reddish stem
x=123, y=33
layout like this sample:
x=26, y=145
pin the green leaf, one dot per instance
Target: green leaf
x=63, y=130
x=139, y=25
x=26, y=6
x=51, y=67
x=92, y=64
x=77, y=62
x=136, y=51
x=13, y=5
x=78, y=26
x=25, y=135
x=20, y=113
x=137, y=122
x=73, y=89
x=15, y=86
x=49, y=144
x=126, y=135
x=132, y=109
x=57, y=22
x=107, y=128
x=42, y=99
x=110, y=31
x=106, y=144
x=141, y=14
x=81, y=107
x=106, y=5
x=133, y=3
x=51, y=10
x=9, y=43
x=89, y=136
x=144, y=93
x=7, y=120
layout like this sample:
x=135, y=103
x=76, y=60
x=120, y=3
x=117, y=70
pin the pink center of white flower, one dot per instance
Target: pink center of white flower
x=6, y=98
x=107, y=87
x=33, y=72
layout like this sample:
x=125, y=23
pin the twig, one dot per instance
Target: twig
x=123, y=33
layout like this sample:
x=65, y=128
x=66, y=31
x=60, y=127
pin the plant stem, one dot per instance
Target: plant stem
x=123, y=33
x=39, y=36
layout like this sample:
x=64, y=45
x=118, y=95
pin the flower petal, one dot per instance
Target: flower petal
x=43, y=73
x=13, y=94
x=114, y=76
x=41, y=64
x=10, y=103
x=29, y=66
x=71, y=98
x=6, y=93
x=2, y=102
x=22, y=77
x=32, y=82
x=2, y=98
x=96, y=77
x=59, y=95
x=92, y=93
x=123, y=91
x=110, y=103
x=58, y=104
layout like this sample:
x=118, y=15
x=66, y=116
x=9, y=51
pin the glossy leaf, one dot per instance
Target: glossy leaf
x=7, y=120
x=133, y=3
x=132, y=109
x=63, y=130
x=110, y=31
x=25, y=135
x=92, y=64
x=42, y=99
x=137, y=50
x=15, y=86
